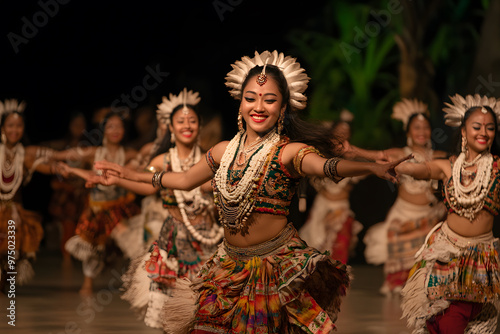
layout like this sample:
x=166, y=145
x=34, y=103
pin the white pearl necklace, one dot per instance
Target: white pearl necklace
x=15, y=169
x=195, y=197
x=236, y=202
x=470, y=198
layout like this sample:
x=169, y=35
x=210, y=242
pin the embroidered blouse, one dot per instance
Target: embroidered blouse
x=276, y=186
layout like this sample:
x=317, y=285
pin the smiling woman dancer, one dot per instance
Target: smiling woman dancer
x=189, y=234
x=454, y=285
x=20, y=229
x=263, y=277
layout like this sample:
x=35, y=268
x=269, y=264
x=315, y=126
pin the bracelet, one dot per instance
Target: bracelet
x=156, y=179
x=330, y=169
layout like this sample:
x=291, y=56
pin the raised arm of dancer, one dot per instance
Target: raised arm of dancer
x=354, y=152
x=314, y=165
x=437, y=169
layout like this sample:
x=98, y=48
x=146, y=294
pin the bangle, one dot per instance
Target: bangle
x=156, y=179
x=330, y=169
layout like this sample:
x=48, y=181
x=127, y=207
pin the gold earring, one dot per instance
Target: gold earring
x=281, y=122
x=240, y=121
x=4, y=138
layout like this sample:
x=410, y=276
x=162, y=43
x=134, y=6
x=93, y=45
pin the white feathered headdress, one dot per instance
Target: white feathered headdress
x=11, y=105
x=296, y=77
x=455, y=112
x=405, y=108
x=184, y=98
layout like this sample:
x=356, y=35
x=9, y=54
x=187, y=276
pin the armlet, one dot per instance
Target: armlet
x=211, y=162
x=297, y=159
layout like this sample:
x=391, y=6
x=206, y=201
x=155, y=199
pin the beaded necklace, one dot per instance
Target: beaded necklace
x=194, y=196
x=236, y=201
x=12, y=170
x=470, y=198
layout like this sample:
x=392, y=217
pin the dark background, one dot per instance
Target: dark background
x=86, y=54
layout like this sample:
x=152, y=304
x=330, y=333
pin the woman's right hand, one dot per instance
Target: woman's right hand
x=111, y=169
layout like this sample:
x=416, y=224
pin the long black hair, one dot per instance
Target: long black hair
x=294, y=127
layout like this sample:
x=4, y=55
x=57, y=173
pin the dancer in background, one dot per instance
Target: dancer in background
x=331, y=225
x=68, y=195
x=106, y=206
x=263, y=278
x=416, y=210
x=20, y=230
x=454, y=285
x=189, y=234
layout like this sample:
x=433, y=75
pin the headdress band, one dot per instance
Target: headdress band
x=184, y=98
x=404, y=109
x=455, y=111
x=295, y=76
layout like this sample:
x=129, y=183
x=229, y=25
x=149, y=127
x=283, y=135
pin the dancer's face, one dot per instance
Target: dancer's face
x=185, y=126
x=261, y=106
x=114, y=130
x=13, y=128
x=479, y=130
x=419, y=130
x=77, y=126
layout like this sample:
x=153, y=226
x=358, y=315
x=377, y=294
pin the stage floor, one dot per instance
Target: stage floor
x=50, y=303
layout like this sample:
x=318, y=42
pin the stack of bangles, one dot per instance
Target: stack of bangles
x=330, y=169
x=156, y=179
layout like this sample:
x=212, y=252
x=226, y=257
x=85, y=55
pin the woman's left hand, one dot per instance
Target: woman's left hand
x=387, y=171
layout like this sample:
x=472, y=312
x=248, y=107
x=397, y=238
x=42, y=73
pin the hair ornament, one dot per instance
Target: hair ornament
x=11, y=105
x=296, y=77
x=455, y=111
x=184, y=98
x=405, y=108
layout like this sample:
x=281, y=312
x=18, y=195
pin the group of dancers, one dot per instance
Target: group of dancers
x=211, y=248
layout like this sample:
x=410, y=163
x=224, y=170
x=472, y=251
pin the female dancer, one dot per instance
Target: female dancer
x=68, y=195
x=20, y=230
x=454, y=285
x=416, y=209
x=263, y=277
x=331, y=224
x=106, y=207
x=189, y=234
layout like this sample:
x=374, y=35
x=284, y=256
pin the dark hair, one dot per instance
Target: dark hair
x=7, y=114
x=415, y=115
x=107, y=117
x=294, y=127
x=458, y=137
x=166, y=143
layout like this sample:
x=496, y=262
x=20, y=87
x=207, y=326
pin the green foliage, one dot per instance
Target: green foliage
x=352, y=61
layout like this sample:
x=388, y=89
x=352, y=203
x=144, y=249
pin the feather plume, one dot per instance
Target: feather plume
x=455, y=110
x=185, y=97
x=404, y=109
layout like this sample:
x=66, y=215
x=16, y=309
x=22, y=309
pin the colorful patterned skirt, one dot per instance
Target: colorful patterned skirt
x=94, y=229
x=451, y=268
x=150, y=278
x=403, y=233
x=279, y=286
x=331, y=226
x=28, y=235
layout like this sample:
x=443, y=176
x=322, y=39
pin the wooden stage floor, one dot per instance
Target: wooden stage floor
x=50, y=303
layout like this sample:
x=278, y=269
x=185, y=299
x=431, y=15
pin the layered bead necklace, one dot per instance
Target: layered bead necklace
x=236, y=201
x=198, y=203
x=12, y=161
x=470, y=198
